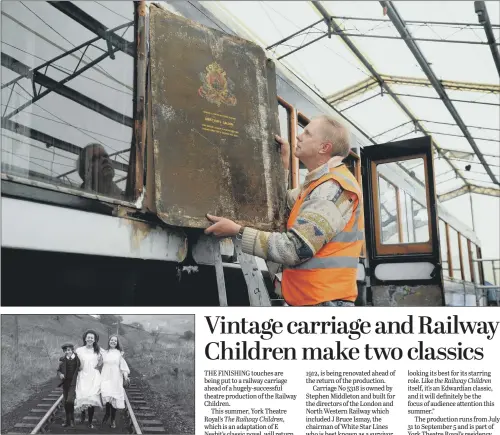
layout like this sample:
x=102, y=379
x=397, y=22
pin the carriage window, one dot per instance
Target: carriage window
x=410, y=220
x=67, y=94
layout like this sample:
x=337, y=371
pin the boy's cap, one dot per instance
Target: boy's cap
x=65, y=345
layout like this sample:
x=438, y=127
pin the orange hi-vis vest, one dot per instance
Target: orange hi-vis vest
x=331, y=273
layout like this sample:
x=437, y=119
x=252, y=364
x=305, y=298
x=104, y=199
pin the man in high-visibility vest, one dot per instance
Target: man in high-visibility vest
x=325, y=227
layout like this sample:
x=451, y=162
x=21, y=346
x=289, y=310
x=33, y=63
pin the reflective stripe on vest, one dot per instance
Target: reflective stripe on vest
x=328, y=263
x=331, y=273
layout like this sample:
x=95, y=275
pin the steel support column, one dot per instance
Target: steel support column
x=412, y=45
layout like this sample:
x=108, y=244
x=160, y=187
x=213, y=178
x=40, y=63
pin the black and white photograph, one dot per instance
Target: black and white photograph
x=97, y=374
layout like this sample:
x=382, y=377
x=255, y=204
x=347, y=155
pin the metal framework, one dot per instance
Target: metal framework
x=52, y=141
x=59, y=88
x=471, y=188
x=438, y=87
x=382, y=83
x=329, y=32
x=484, y=20
x=114, y=43
x=370, y=83
x=90, y=23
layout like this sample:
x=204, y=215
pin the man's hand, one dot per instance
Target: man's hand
x=61, y=376
x=285, y=151
x=222, y=227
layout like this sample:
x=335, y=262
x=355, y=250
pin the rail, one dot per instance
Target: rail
x=46, y=417
x=133, y=421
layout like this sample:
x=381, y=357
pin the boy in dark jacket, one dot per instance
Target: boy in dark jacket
x=69, y=365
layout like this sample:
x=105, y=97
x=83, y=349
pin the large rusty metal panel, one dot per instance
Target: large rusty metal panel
x=214, y=116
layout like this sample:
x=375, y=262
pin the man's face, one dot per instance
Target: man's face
x=68, y=352
x=310, y=141
x=99, y=165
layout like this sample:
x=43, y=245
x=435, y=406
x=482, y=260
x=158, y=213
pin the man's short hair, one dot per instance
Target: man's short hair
x=338, y=134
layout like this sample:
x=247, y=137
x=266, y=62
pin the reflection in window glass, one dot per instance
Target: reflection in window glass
x=465, y=256
x=444, y=248
x=302, y=169
x=455, y=254
x=80, y=135
x=284, y=122
x=414, y=221
x=388, y=212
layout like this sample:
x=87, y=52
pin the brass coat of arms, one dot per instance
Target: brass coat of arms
x=216, y=88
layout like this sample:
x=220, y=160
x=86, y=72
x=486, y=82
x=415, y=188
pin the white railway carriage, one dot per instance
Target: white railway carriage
x=75, y=74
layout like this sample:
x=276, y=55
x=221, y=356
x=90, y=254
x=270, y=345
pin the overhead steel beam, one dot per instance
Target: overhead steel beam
x=380, y=80
x=293, y=35
x=90, y=23
x=484, y=20
x=427, y=23
x=98, y=69
x=22, y=69
x=412, y=45
x=51, y=141
x=472, y=188
x=447, y=84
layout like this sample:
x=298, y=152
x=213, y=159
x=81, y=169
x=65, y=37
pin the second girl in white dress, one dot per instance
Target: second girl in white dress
x=115, y=372
x=88, y=383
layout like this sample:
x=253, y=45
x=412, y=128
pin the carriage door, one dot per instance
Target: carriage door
x=401, y=224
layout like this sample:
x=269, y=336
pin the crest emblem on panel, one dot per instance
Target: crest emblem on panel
x=216, y=88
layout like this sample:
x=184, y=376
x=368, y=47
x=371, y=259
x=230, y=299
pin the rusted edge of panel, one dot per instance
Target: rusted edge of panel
x=140, y=121
x=293, y=146
x=279, y=209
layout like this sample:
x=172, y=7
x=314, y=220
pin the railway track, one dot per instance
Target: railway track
x=48, y=415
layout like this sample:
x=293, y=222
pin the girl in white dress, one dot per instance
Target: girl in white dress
x=114, y=373
x=88, y=383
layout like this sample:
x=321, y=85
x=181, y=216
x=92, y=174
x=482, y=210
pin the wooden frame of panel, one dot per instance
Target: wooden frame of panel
x=291, y=125
x=402, y=248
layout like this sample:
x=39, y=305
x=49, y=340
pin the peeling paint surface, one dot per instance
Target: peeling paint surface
x=407, y=296
x=61, y=229
x=212, y=158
